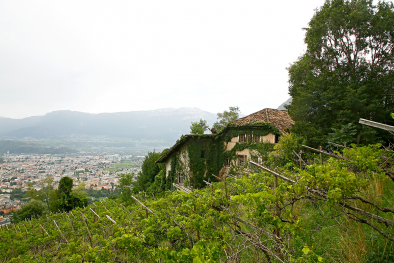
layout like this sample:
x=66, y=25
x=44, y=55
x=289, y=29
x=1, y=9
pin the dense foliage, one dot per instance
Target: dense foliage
x=225, y=118
x=32, y=208
x=103, y=193
x=65, y=198
x=126, y=186
x=149, y=170
x=346, y=72
x=199, y=127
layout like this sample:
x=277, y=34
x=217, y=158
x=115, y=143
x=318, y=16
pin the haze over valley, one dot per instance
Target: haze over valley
x=134, y=132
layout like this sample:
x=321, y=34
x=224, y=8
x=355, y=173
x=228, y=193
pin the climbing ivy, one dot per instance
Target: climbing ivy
x=206, y=154
x=172, y=173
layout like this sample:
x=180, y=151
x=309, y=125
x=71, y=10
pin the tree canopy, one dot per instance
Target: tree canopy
x=126, y=186
x=225, y=118
x=347, y=71
x=68, y=199
x=149, y=170
x=199, y=127
x=32, y=208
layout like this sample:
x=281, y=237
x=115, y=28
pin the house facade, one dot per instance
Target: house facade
x=195, y=158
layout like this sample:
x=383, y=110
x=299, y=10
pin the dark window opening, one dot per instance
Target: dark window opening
x=180, y=178
x=276, y=138
x=241, y=160
x=202, y=154
x=256, y=138
x=242, y=138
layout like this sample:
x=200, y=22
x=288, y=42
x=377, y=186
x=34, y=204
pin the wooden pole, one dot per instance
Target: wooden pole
x=44, y=230
x=276, y=202
x=71, y=223
x=274, y=173
x=87, y=227
x=146, y=211
x=327, y=153
x=338, y=145
x=25, y=230
x=124, y=208
x=225, y=188
x=65, y=239
x=94, y=213
x=150, y=211
x=113, y=221
x=321, y=155
x=300, y=160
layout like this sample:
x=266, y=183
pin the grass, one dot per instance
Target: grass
x=125, y=164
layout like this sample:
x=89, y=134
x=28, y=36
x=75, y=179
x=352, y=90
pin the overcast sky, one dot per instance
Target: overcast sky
x=111, y=56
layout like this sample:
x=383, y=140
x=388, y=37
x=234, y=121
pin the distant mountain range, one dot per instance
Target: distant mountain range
x=164, y=124
x=287, y=102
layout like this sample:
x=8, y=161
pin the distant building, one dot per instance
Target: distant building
x=231, y=147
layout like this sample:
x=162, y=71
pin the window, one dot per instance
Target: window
x=242, y=138
x=241, y=160
x=202, y=154
x=256, y=138
x=180, y=178
x=228, y=162
x=276, y=138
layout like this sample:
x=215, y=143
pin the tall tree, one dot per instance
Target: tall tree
x=347, y=71
x=126, y=186
x=66, y=199
x=45, y=194
x=225, y=118
x=149, y=170
x=47, y=191
x=199, y=127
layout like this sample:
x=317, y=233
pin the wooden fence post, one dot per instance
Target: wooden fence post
x=300, y=160
x=43, y=231
x=61, y=233
x=321, y=155
x=86, y=224
x=146, y=202
x=225, y=187
x=276, y=202
x=25, y=230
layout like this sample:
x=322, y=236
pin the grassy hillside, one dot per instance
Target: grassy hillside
x=308, y=215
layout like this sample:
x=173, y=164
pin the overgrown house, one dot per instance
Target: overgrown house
x=197, y=157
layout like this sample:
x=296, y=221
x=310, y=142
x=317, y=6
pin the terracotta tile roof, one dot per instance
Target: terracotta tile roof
x=279, y=118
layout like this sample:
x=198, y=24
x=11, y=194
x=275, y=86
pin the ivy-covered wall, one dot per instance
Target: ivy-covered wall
x=205, y=155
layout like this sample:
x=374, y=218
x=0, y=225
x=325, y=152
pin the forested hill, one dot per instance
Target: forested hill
x=163, y=124
x=30, y=147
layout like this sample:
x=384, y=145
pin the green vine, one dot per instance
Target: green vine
x=206, y=154
x=211, y=161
